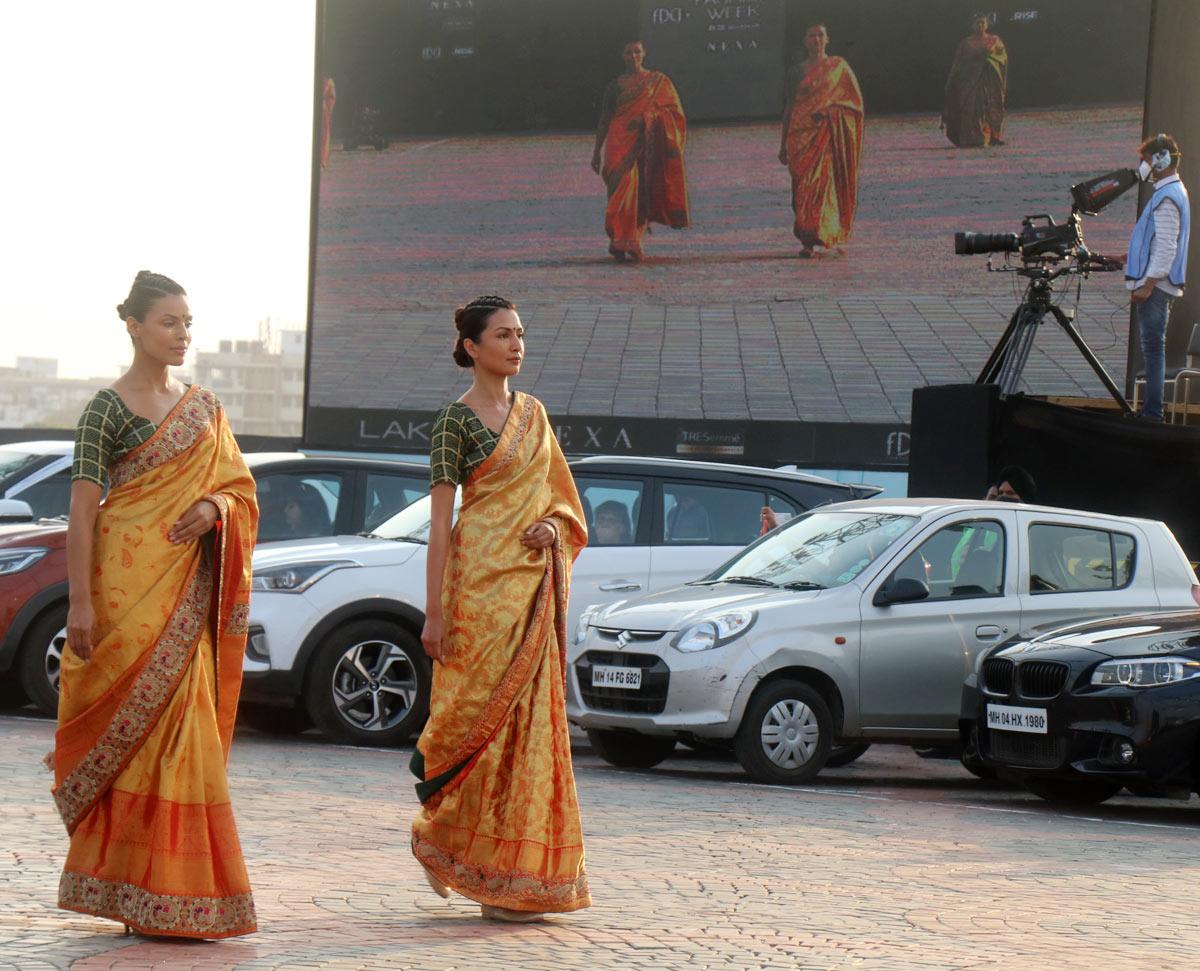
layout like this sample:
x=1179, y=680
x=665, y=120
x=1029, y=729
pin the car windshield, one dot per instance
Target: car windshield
x=412, y=522
x=821, y=549
x=15, y=461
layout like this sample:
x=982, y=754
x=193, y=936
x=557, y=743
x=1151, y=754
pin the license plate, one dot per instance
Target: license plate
x=1006, y=718
x=606, y=676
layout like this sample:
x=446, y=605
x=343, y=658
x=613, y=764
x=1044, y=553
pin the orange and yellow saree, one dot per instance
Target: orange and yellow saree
x=824, y=143
x=499, y=820
x=144, y=726
x=643, y=160
x=977, y=92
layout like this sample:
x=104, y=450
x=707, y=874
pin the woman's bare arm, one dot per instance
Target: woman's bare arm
x=81, y=532
x=441, y=498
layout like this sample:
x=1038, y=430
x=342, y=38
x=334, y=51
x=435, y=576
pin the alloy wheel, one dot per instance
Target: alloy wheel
x=790, y=734
x=374, y=685
x=53, y=661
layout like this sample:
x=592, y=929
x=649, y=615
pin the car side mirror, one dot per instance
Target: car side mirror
x=905, y=590
x=15, y=511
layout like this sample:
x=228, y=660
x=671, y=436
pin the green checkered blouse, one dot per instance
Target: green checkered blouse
x=460, y=444
x=106, y=431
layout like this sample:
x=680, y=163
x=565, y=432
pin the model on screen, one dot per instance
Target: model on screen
x=639, y=153
x=821, y=144
x=977, y=89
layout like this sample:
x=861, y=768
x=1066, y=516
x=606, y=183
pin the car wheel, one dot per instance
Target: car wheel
x=841, y=755
x=1072, y=792
x=12, y=695
x=272, y=720
x=368, y=684
x=41, y=659
x=630, y=750
x=786, y=734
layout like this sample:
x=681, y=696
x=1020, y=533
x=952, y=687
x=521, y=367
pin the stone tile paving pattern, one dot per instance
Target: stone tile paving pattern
x=893, y=863
x=722, y=320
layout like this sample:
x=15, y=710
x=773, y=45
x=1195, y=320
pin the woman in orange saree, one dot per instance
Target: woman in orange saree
x=499, y=821
x=821, y=145
x=328, y=100
x=642, y=134
x=977, y=89
x=159, y=600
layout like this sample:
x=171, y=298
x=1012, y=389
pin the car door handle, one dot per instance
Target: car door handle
x=989, y=632
x=620, y=586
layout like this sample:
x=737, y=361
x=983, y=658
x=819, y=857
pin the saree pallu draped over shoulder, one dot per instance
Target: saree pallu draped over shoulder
x=145, y=725
x=643, y=161
x=499, y=820
x=824, y=144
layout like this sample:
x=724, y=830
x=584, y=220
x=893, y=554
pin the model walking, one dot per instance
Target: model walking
x=499, y=821
x=159, y=600
x=640, y=140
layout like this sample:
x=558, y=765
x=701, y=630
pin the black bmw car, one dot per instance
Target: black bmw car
x=1081, y=712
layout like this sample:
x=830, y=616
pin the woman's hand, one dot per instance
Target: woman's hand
x=433, y=638
x=196, y=522
x=540, y=535
x=81, y=621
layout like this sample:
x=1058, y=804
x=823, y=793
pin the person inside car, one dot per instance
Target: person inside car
x=612, y=525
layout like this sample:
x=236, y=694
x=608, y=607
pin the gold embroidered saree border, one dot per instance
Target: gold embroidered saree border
x=136, y=716
x=170, y=915
x=513, y=889
x=185, y=424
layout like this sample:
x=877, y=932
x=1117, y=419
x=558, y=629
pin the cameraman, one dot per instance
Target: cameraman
x=1154, y=268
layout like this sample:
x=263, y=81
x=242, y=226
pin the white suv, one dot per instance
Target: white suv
x=335, y=623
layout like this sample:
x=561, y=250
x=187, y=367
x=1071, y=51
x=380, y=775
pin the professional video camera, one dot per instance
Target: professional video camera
x=1042, y=243
x=1041, y=238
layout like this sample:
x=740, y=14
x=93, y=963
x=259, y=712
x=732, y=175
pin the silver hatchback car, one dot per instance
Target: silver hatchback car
x=855, y=623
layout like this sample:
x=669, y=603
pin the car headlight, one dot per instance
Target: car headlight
x=714, y=632
x=585, y=621
x=14, y=561
x=297, y=577
x=1145, y=672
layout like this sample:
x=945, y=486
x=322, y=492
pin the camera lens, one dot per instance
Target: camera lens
x=973, y=244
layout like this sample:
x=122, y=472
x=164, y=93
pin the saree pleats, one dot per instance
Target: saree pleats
x=145, y=724
x=977, y=92
x=643, y=165
x=502, y=825
x=824, y=145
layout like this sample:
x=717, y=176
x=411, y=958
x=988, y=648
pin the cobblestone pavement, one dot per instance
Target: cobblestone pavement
x=721, y=321
x=894, y=862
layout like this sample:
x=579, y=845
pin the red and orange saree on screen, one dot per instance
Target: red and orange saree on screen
x=499, y=820
x=824, y=143
x=977, y=92
x=643, y=160
x=145, y=725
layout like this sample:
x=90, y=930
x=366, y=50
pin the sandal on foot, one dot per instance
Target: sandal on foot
x=436, y=885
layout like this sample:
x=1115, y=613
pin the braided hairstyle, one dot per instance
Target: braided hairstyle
x=471, y=321
x=147, y=288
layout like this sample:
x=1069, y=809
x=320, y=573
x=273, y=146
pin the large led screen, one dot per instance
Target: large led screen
x=728, y=224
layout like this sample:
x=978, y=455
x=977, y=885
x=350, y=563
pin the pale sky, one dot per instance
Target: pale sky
x=152, y=134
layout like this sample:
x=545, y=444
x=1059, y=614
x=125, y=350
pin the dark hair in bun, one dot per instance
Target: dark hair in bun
x=471, y=322
x=147, y=287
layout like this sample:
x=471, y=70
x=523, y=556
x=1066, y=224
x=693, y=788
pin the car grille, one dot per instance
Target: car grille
x=1032, y=751
x=631, y=636
x=998, y=676
x=1042, y=679
x=650, y=699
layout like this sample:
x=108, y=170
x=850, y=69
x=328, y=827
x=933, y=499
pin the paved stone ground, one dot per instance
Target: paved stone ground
x=721, y=321
x=893, y=863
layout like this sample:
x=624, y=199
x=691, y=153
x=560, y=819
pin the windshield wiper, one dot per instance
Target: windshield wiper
x=803, y=585
x=408, y=539
x=749, y=581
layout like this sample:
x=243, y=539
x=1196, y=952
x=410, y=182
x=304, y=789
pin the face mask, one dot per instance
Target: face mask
x=1007, y=499
x=1144, y=170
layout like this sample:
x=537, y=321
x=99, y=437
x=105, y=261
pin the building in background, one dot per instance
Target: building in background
x=260, y=382
x=32, y=395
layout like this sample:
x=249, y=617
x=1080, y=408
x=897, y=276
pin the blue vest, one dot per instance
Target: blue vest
x=1143, y=235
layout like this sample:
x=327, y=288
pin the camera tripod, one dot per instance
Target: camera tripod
x=1010, y=355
